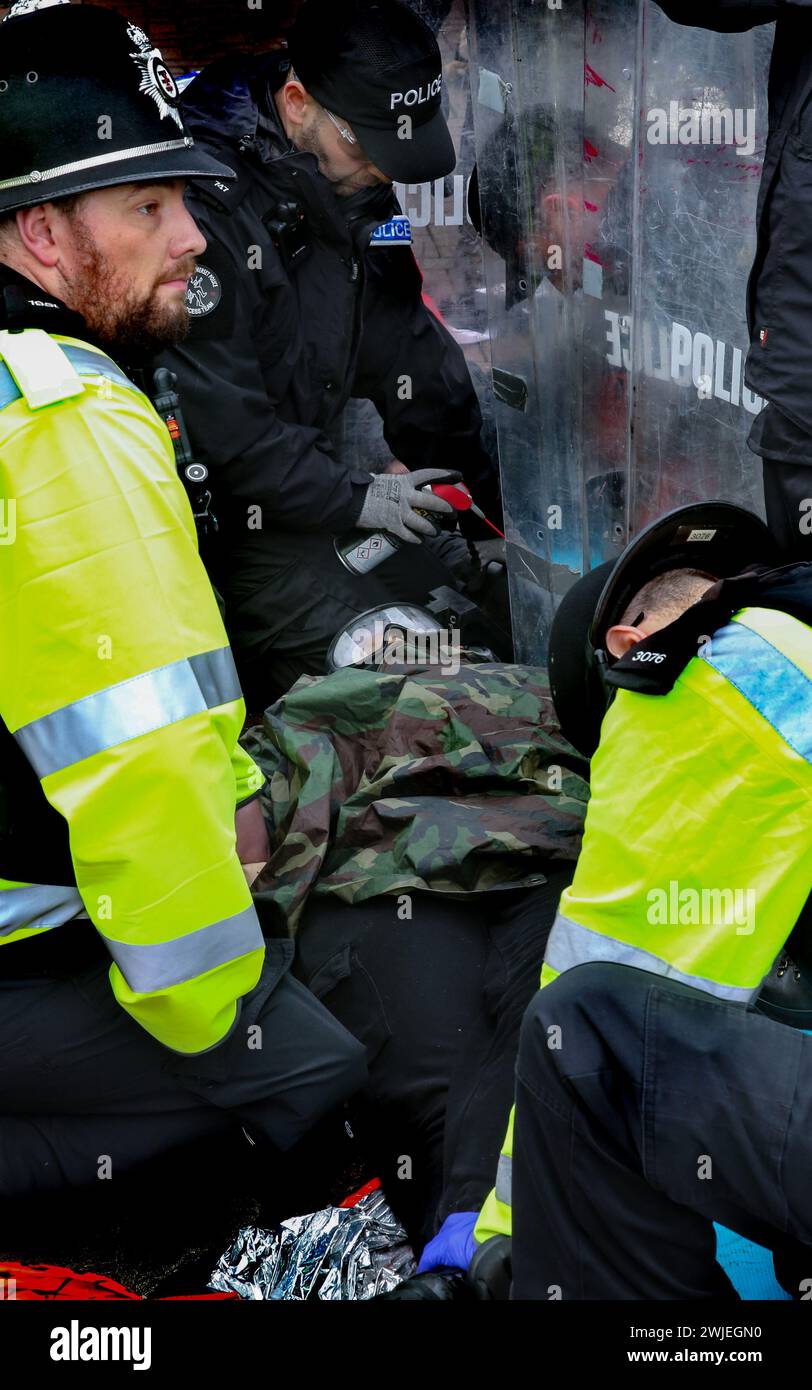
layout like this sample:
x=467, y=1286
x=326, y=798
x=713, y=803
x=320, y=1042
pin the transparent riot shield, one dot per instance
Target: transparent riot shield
x=618, y=159
x=700, y=140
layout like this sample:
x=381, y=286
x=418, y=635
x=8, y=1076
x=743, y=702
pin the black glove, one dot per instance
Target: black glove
x=438, y=1286
x=490, y=1272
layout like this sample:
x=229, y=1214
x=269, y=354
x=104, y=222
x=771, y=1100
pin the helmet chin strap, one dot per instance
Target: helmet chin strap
x=601, y=661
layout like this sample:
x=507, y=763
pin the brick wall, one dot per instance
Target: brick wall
x=191, y=33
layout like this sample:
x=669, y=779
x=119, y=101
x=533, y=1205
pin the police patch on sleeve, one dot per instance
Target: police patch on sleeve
x=204, y=292
x=396, y=232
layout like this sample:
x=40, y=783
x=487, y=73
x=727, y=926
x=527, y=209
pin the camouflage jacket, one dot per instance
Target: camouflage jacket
x=380, y=783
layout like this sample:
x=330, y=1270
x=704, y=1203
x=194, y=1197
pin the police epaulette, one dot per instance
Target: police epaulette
x=223, y=194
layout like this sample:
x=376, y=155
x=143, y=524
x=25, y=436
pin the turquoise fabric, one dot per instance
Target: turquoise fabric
x=749, y=1267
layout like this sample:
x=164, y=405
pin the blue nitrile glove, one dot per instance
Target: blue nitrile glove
x=454, y=1244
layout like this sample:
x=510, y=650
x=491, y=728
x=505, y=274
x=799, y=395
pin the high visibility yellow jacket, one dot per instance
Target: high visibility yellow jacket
x=697, y=851
x=118, y=684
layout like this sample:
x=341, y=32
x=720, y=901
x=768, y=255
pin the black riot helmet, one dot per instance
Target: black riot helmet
x=716, y=538
x=86, y=102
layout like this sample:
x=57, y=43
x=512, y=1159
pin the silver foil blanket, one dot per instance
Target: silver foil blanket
x=340, y=1253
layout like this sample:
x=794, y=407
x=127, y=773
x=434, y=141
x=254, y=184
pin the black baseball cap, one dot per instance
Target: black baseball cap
x=373, y=62
x=86, y=101
x=717, y=538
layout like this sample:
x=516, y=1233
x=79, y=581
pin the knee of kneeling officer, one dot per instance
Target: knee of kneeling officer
x=579, y=1002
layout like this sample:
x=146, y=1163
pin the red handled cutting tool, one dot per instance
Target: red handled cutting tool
x=461, y=500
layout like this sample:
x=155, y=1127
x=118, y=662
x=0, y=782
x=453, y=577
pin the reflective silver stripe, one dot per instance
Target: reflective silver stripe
x=38, y=176
x=217, y=677
x=767, y=679
x=37, y=905
x=89, y=363
x=570, y=944
x=134, y=707
x=504, y=1179
x=147, y=968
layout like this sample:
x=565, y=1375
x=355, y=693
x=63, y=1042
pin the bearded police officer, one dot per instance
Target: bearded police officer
x=308, y=294
x=132, y=964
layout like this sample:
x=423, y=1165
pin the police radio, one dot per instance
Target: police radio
x=289, y=232
x=193, y=475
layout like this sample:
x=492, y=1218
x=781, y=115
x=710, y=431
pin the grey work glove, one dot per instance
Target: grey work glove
x=392, y=498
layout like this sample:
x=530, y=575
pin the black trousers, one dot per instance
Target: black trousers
x=83, y=1087
x=438, y=1001
x=287, y=595
x=646, y=1110
x=787, y=486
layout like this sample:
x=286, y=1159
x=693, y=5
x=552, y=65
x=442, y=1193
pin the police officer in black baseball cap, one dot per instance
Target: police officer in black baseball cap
x=309, y=294
x=376, y=65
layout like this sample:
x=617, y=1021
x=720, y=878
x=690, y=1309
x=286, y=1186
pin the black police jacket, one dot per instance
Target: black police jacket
x=779, y=294
x=288, y=324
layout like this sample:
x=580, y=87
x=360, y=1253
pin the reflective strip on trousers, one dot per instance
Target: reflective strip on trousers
x=767, y=679
x=40, y=905
x=504, y=1179
x=125, y=711
x=570, y=944
x=150, y=967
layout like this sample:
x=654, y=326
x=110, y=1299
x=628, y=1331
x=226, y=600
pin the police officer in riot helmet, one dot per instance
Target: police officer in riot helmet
x=309, y=294
x=687, y=661
x=657, y=971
